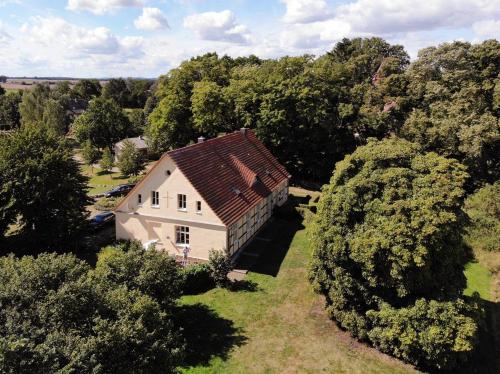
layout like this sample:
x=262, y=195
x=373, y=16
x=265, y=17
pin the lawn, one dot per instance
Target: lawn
x=100, y=181
x=478, y=279
x=274, y=323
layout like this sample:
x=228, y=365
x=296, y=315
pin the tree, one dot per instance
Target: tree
x=130, y=160
x=61, y=88
x=388, y=248
x=59, y=316
x=209, y=108
x=117, y=90
x=86, y=89
x=2, y=91
x=42, y=186
x=107, y=161
x=103, y=123
x=220, y=265
x=55, y=117
x=33, y=103
x=139, y=92
x=3, y=79
x=90, y=154
x=10, y=117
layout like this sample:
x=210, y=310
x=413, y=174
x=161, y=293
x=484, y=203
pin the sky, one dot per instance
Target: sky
x=146, y=38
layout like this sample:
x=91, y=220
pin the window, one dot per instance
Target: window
x=181, y=202
x=198, y=207
x=181, y=235
x=155, y=198
x=139, y=199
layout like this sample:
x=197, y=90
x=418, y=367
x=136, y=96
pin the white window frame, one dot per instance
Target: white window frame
x=155, y=198
x=182, y=236
x=181, y=202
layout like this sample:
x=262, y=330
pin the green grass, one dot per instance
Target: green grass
x=478, y=279
x=275, y=323
x=101, y=182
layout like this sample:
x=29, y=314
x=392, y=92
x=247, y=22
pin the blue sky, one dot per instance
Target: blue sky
x=145, y=38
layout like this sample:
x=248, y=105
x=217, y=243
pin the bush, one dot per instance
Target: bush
x=107, y=203
x=427, y=334
x=220, y=265
x=60, y=316
x=196, y=279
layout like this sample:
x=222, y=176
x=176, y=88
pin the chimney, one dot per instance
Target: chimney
x=243, y=130
x=201, y=139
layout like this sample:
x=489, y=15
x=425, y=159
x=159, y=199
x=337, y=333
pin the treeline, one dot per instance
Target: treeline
x=57, y=106
x=312, y=111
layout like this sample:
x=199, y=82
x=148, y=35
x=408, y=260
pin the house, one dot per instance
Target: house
x=215, y=194
x=138, y=142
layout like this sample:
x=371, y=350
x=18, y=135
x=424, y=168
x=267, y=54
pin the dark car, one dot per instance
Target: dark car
x=101, y=220
x=120, y=190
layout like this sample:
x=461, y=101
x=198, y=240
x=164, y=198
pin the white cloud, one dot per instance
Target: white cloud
x=151, y=19
x=5, y=37
x=391, y=16
x=489, y=28
x=315, y=35
x=218, y=26
x=101, y=7
x=306, y=11
x=56, y=32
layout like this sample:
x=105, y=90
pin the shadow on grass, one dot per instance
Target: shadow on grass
x=486, y=358
x=244, y=286
x=207, y=334
x=272, y=250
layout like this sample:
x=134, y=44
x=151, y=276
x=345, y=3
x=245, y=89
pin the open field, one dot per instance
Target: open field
x=14, y=84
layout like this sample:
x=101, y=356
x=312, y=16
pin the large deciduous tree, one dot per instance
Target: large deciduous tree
x=388, y=252
x=41, y=186
x=87, y=89
x=33, y=103
x=9, y=111
x=130, y=160
x=103, y=123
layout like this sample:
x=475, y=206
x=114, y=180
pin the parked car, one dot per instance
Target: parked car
x=101, y=220
x=120, y=190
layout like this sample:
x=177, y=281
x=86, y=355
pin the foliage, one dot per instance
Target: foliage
x=90, y=154
x=134, y=179
x=33, y=103
x=431, y=333
x=138, y=121
x=117, y=90
x=153, y=273
x=86, y=89
x=107, y=203
x=130, y=160
x=41, y=186
x=10, y=118
x=483, y=208
x=107, y=160
x=2, y=91
x=388, y=233
x=55, y=117
x=452, y=91
x=210, y=111
x=103, y=123
x=220, y=265
x=196, y=279
x=59, y=316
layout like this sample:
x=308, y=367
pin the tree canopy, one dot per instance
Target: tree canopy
x=388, y=252
x=41, y=186
x=58, y=315
x=103, y=123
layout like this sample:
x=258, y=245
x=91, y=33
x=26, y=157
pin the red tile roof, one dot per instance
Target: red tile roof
x=232, y=173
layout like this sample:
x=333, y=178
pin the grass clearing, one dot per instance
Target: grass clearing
x=478, y=279
x=100, y=181
x=275, y=323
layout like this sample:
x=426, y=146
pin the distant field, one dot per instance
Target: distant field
x=28, y=83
